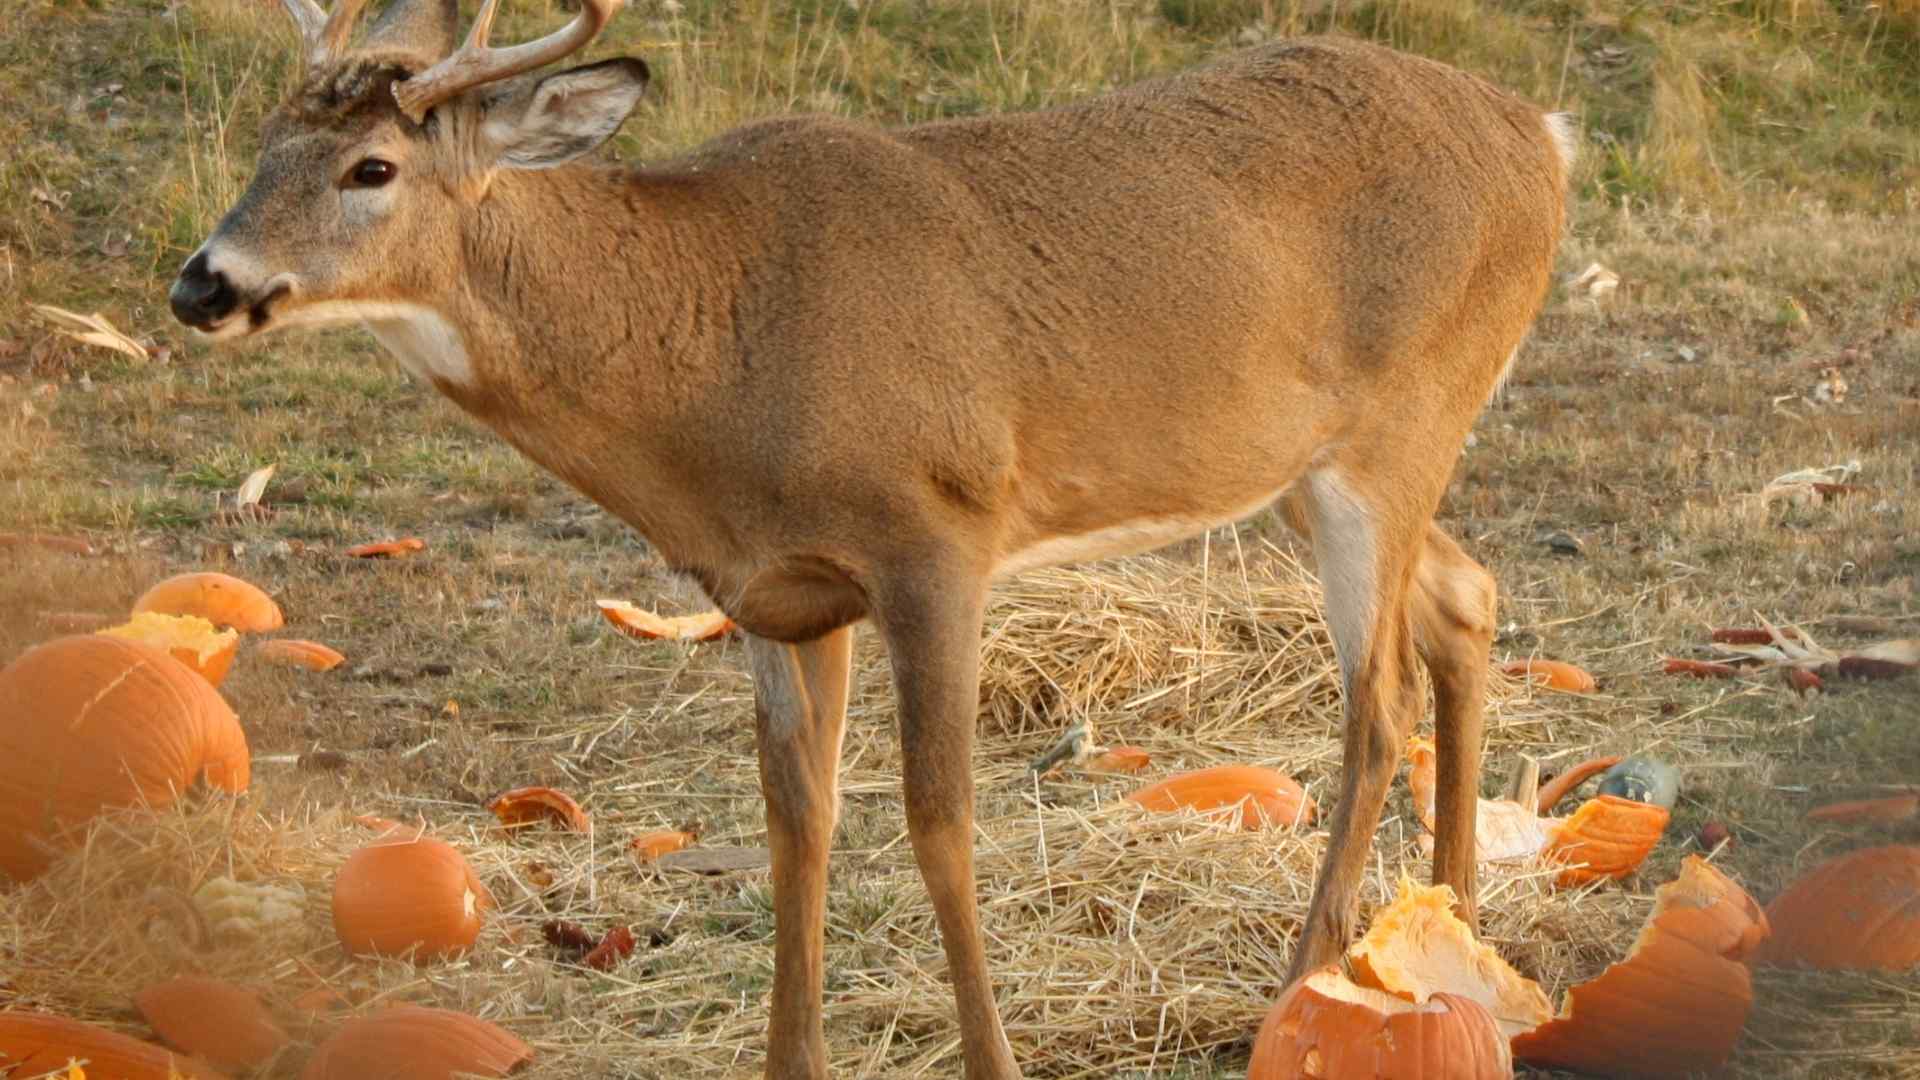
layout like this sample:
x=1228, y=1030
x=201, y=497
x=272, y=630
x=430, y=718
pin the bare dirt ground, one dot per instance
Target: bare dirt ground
x=1643, y=424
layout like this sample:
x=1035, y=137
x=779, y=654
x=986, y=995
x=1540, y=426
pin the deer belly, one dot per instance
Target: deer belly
x=1125, y=538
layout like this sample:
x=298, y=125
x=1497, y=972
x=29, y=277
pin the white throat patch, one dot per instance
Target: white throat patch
x=424, y=342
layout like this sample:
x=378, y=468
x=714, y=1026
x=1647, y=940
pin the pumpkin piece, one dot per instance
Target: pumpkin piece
x=1698, y=669
x=1676, y=1004
x=415, y=895
x=90, y=723
x=1417, y=947
x=1325, y=1027
x=419, y=1044
x=189, y=639
x=1502, y=828
x=649, y=846
x=1256, y=796
x=388, y=549
x=1120, y=759
x=221, y=599
x=37, y=1044
x=1557, y=788
x=212, y=1019
x=1553, y=674
x=643, y=624
x=525, y=806
x=1608, y=837
x=1856, y=912
x=296, y=652
x=1882, y=811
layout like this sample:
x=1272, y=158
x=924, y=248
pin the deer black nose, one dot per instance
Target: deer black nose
x=200, y=298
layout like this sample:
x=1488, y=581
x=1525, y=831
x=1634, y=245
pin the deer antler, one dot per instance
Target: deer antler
x=474, y=64
x=324, y=36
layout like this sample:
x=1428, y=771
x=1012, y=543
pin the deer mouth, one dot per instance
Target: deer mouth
x=260, y=312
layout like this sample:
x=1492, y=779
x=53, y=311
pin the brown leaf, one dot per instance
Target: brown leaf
x=615, y=947
x=567, y=936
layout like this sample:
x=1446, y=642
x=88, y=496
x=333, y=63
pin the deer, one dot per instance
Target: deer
x=838, y=373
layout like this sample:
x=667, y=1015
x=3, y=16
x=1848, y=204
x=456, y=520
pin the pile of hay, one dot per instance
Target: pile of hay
x=1120, y=940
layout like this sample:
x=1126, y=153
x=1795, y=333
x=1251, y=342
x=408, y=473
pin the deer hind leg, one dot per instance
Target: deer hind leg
x=1453, y=622
x=800, y=708
x=932, y=631
x=1364, y=545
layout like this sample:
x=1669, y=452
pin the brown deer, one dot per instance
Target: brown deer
x=836, y=372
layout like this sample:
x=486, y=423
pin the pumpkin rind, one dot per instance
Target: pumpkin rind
x=649, y=846
x=189, y=639
x=1675, y=1006
x=221, y=599
x=35, y=1043
x=1326, y=1028
x=415, y=894
x=1556, y=674
x=297, y=652
x=640, y=623
x=1859, y=911
x=1608, y=837
x=525, y=806
x=89, y=723
x=223, y=1023
x=1262, y=797
x=408, y=1042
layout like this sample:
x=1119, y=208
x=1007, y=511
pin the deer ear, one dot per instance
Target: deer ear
x=565, y=115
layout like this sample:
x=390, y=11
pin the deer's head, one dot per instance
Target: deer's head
x=369, y=171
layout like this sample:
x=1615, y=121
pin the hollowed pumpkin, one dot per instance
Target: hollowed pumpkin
x=221, y=599
x=1327, y=1028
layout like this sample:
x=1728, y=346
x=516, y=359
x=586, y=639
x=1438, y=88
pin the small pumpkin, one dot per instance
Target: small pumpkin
x=212, y=1019
x=89, y=723
x=413, y=895
x=1324, y=1027
x=37, y=1044
x=189, y=639
x=419, y=1044
x=1608, y=837
x=1676, y=1004
x=640, y=623
x=221, y=599
x=1554, y=674
x=525, y=806
x=1859, y=911
x=297, y=652
x=1259, y=797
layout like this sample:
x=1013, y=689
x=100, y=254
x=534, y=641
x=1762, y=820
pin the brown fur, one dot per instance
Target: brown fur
x=838, y=372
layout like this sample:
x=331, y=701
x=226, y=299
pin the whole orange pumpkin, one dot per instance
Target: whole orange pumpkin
x=89, y=723
x=408, y=893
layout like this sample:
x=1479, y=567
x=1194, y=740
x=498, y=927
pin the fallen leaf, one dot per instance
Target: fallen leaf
x=254, y=486
x=1596, y=281
x=567, y=936
x=92, y=330
x=615, y=947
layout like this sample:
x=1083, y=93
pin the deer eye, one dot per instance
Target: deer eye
x=371, y=173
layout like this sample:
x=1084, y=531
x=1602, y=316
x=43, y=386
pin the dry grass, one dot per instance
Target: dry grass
x=1751, y=175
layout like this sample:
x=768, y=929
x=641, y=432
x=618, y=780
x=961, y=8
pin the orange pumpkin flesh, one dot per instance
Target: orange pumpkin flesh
x=296, y=652
x=1860, y=911
x=1608, y=837
x=1676, y=1004
x=419, y=1044
x=530, y=805
x=1417, y=947
x=1554, y=674
x=89, y=723
x=211, y=1019
x=189, y=639
x=651, y=845
x=1260, y=797
x=37, y=1044
x=641, y=623
x=410, y=894
x=1502, y=828
x=221, y=599
x=1120, y=759
x=1327, y=1028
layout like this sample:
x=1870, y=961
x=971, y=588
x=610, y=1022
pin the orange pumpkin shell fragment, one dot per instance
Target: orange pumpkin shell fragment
x=297, y=652
x=1120, y=759
x=1555, y=674
x=211, y=1019
x=649, y=846
x=419, y=1044
x=1325, y=1027
x=388, y=549
x=189, y=639
x=1608, y=837
x=1859, y=912
x=640, y=623
x=41, y=1044
x=221, y=599
x=1675, y=1006
x=1260, y=796
x=531, y=805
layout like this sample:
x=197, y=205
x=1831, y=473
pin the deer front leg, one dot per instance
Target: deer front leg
x=933, y=639
x=800, y=708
